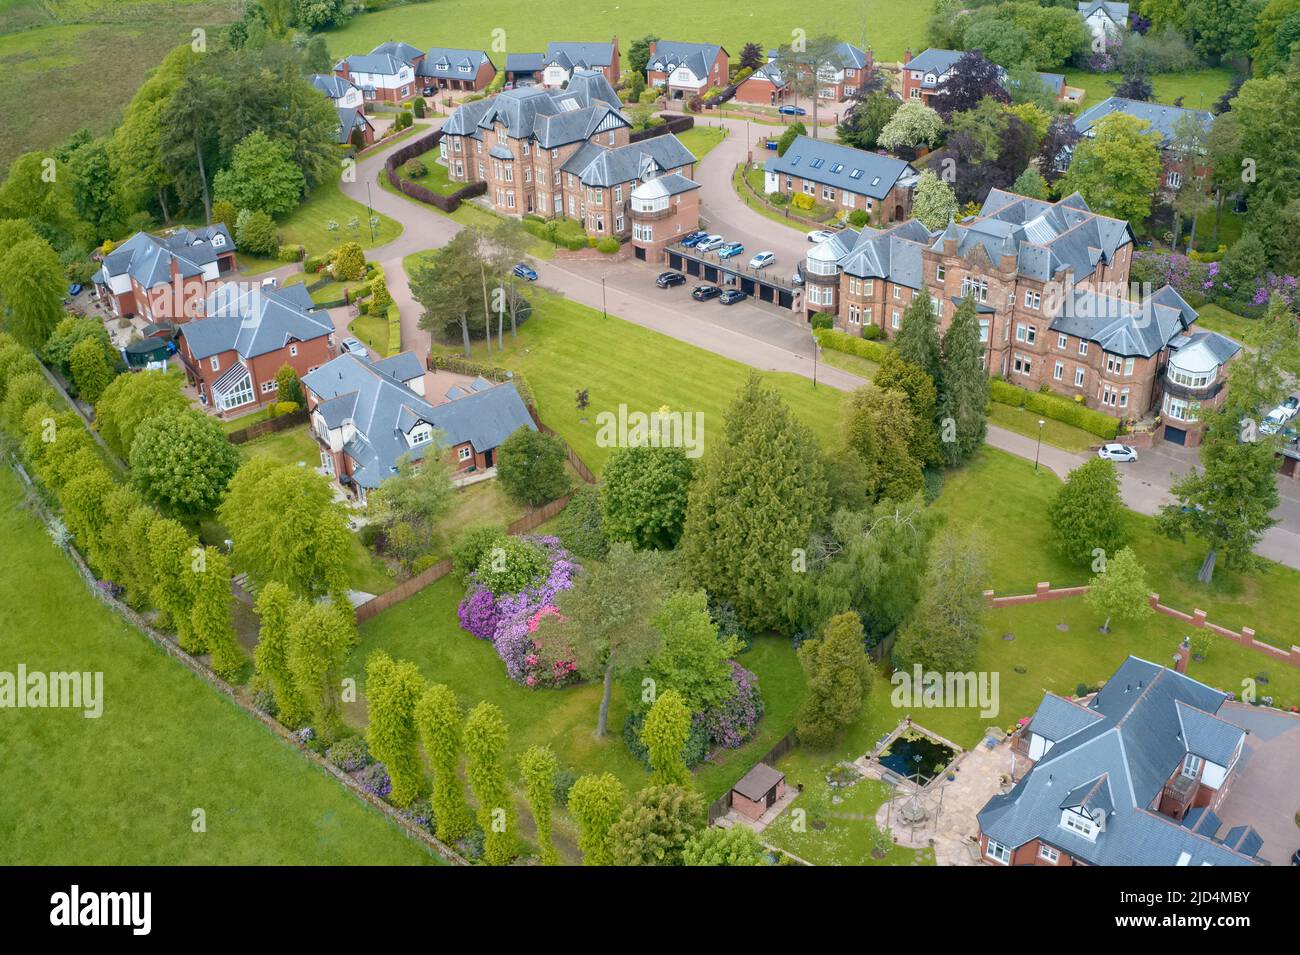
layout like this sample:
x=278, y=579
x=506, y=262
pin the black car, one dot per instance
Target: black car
x=731, y=296
x=702, y=293
x=430, y=90
x=669, y=279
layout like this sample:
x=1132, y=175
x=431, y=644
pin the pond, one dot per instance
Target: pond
x=913, y=752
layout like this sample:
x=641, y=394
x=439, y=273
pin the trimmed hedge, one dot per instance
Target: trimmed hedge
x=1060, y=409
x=566, y=233
x=290, y=253
x=851, y=344
x=394, y=331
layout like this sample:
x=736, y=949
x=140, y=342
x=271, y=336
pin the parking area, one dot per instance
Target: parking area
x=770, y=284
x=1264, y=793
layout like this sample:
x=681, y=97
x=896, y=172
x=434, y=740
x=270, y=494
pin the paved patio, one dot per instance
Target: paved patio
x=1266, y=791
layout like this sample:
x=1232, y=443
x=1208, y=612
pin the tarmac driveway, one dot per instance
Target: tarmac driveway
x=1266, y=793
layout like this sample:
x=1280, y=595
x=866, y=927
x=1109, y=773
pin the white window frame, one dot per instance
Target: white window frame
x=997, y=852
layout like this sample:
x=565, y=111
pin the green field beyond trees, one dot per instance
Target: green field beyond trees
x=122, y=789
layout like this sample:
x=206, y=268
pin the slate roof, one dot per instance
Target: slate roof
x=1116, y=11
x=893, y=253
x=769, y=73
x=1161, y=117
x=550, y=117
x=598, y=165
x=1204, y=349
x=524, y=62
x=1115, y=769
x=696, y=57
x=398, y=50
x=584, y=56
x=350, y=117
x=382, y=409
x=254, y=321
x=383, y=64
x=850, y=56
x=1124, y=327
x=843, y=167
x=147, y=258
x=670, y=185
x=934, y=61
x=335, y=87
x=446, y=63
x=1056, y=718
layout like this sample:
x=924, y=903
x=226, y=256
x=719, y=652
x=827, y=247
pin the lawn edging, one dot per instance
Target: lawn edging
x=242, y=700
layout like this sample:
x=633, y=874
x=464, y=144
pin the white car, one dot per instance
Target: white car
x=270, y=282
x=1278, y=417
x=762, y=260
x=355, y=347
x=820, y=235
x=711, y=243
x=1117, y=452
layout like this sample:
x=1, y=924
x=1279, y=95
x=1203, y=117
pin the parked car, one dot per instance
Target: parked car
x=270, y=282
x=75, y=289
x=429, y=90
x=797, y=278
x=1293, y=403
x=1117, y=452
x=730, y=250
x=525, y=271
x=669, y=279
x=702, y=293
x=731, y=296
x=709, y=243
x=820, y=235
x=355, y=347
x=792, y=111
x=762, y=260
x=693, y=239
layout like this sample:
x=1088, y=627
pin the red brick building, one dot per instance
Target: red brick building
x=1131, y=777
x=165, y=278
x=684, y=70
x=764, y=87
x=663, y=211
x=758, y=791
x=844, y=178
x=233, y=354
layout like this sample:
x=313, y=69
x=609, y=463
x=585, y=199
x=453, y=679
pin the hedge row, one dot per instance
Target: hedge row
x=851, y=344
x=462, y=366
x=394, y=331
x=557, y=232
x=1069, y=412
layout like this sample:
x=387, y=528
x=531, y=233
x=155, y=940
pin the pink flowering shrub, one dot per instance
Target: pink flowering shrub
x=511, y=621
x=732, y=721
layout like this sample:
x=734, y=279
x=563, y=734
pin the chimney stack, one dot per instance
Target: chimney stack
x=1183, y=655
x=907, y=57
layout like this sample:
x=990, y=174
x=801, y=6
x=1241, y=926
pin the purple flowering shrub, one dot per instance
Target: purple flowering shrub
x=732, y=722
x=511, y=621
x=1283, y=285
x=374, y=778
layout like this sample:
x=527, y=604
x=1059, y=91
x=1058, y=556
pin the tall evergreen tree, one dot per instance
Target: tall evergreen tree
x=757, y=497
x=210, y=616
x=664, y=734
x=839, y=679
x=538, y=767
x=596, y=802
x=917, y=340
x=274, y=606
x=320, y=636
x=442, y=730
x=944, y=629
x=485, y=743
x=880, y=429
x=898, y=374
x=964, y=387
x=392, y=690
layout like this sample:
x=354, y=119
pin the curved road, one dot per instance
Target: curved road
x=759, y=336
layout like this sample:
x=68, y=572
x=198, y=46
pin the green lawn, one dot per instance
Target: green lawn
x=893, y=25
x=1216, y=319
x=436, y=178
x=566, y=347
x=373, y=330
x=1003, y=496
x=835, y=833
x=121, y=789
x=1055, y=433
x=701, y=139
x=307, y=225
x=776, y=213
x=114, y=42
x=854, y=364
x=291, y=446
x=1200, y=89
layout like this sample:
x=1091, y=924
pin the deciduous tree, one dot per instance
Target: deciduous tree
x=1120, y=590
x=1087, y=514
x=644, y=495
x=538, y=767
x=182, y=460
x=393, y=688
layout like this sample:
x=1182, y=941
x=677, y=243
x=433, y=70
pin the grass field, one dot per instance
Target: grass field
x=890, y=26
x=1216, y=319
x=700, y=139
x=1023, y=421
x=566, y=347
x=115, y=42
x=1200, y=89
x=122, y=789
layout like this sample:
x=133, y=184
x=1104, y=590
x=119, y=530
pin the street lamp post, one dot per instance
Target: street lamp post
x=1041, y=422
x=817, y=347
x=370, y=214
x=604, y=312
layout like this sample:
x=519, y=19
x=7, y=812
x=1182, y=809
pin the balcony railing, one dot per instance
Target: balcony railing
x=650, y=215
x=1180, y=790
x=1204, y=393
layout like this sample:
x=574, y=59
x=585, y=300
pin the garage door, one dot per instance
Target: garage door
x=1175, y=435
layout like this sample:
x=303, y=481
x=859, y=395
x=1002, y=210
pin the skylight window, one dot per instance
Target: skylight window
x=856, y=174
x=875, y=181
x=794, y=161
x=817, y=163
x=838, y=167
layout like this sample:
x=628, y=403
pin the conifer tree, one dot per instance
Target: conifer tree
x=441, y=726
x=839, y=679
x=392, y=690
x=210, y=617
x=538, y=767
x=485, y=742
x=274, y=604
x=917, y=340
x=664, y=734
x=596, y=802
x=320, y=636
x=963, y=387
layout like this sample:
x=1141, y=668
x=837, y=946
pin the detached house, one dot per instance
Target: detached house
x=1051, y=285
x=1133, y=777
x=844, y=178
x=1104, y=18
x=341, y=92
x=554, y=68
x=366, y=415
x=558, y=153
x=233, y=354
x=684, y=70
x=165, y=278
x=455, y=69
x=923, y=76
x=386, y=75
x=1163, y=121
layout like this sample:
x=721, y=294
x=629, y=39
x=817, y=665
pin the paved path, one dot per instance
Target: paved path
x=754, y=334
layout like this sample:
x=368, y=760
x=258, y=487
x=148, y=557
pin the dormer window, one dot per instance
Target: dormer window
x=420, y=434
x=1079, y=823
x=218, y=240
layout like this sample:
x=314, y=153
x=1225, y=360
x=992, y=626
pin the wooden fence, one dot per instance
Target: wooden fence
x=418, y=147
x=675, y=124
x=269, y=426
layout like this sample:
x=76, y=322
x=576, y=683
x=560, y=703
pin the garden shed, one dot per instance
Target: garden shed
x=758, y=791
